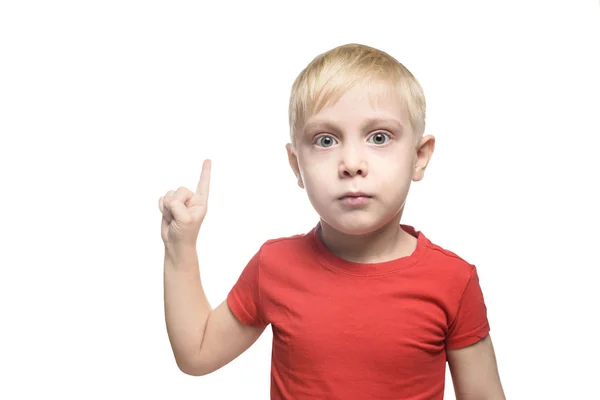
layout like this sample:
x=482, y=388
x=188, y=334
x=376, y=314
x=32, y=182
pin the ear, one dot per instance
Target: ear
x=293, y=160
x=424, y=153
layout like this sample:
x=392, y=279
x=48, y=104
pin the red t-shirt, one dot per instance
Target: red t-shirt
x=344, y=330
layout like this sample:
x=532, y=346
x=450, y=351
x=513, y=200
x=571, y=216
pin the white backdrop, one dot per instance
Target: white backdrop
x=105, y=106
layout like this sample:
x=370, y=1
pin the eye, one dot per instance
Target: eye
x=325, y=141
x=379, y=138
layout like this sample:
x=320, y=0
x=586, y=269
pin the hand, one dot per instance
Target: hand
x=183, y=211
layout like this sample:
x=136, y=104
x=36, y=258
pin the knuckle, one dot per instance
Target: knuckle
x=182, y=192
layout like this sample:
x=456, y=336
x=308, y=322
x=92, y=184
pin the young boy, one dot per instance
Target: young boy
x=362, y=306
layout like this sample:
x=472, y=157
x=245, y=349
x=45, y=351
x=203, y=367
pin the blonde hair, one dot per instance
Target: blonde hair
x=333, y=73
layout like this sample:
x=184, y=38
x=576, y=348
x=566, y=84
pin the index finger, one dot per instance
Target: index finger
x=204, y=182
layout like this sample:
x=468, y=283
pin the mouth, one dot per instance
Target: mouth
x=355, y=198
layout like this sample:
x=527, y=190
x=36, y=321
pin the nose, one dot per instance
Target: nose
x=352, y=164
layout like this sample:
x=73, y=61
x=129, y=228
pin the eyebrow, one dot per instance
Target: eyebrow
x=369, y=123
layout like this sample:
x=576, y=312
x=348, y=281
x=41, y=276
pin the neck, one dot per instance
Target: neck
x=386, y=243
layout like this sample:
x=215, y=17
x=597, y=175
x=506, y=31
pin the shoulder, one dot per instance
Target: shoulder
x=448, y=265
x=286, y=247
x=456, y=279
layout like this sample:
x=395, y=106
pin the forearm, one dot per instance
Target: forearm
x=186, y=306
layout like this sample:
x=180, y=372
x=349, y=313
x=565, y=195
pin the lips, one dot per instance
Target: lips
x=355, y=199
x=354, y=195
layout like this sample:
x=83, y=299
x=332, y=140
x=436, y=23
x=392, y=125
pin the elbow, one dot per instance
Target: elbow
x=192, y=369
x=191, y=366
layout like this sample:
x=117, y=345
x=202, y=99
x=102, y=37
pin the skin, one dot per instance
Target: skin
x=339, y=150
x=474, y=372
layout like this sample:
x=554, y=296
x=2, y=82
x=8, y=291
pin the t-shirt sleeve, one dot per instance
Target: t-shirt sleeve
x=244, y=297
x=470, y=324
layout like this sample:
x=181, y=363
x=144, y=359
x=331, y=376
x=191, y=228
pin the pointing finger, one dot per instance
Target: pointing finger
x=204, y=183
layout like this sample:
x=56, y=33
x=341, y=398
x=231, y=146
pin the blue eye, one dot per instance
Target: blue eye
x=379, y=138
x=325, y=141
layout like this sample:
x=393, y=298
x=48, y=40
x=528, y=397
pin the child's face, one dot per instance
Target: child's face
x=362, y=143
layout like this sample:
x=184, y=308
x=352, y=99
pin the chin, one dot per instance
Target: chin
x=355, y=225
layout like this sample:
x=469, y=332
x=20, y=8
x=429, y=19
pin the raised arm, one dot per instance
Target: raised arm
x=203, y=340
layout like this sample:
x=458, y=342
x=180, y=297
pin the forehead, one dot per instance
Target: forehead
x=363, y=105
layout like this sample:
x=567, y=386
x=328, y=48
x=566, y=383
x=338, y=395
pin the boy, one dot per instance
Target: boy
x=361, y=307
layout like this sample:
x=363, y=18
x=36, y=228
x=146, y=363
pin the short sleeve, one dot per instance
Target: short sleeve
x=470, y=324
x=244, y=297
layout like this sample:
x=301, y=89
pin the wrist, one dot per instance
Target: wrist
x=181, y=253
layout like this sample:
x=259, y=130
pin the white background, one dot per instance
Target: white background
x=105, y=106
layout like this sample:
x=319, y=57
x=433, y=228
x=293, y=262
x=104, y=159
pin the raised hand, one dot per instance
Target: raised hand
x=183, y=211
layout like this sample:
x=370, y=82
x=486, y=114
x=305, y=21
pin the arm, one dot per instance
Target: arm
x=203, y=340
x=475, y=372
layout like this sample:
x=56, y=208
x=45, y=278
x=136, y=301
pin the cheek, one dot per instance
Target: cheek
x=318, y=190
x=316, y=181
x=318, y=185
x=316, y=171
x=393, y=177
